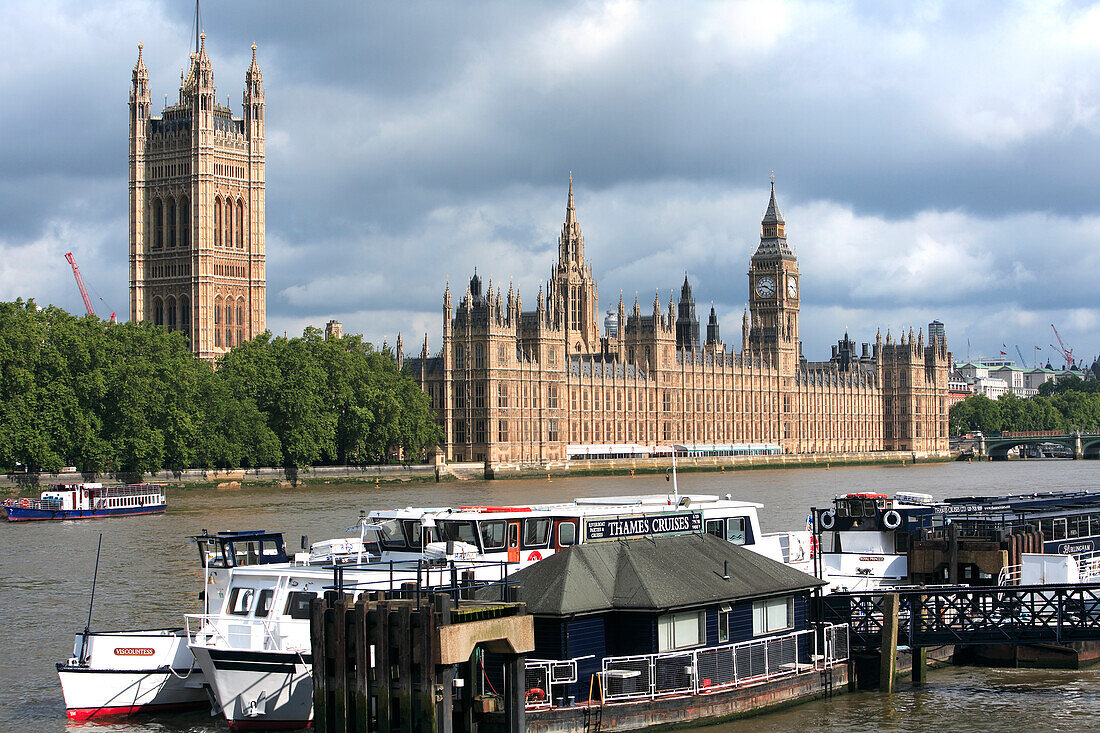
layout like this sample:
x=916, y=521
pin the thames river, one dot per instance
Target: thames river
x=149, y=577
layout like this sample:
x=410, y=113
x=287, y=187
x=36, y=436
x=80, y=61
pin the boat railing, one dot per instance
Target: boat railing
x=416, y=578
x=707, y=670
x=542, y=675
x=1010, y=575
x=232, y=632
x=1088, y=564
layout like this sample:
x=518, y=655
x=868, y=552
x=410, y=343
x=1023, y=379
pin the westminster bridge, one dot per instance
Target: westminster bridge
x=1079, y=444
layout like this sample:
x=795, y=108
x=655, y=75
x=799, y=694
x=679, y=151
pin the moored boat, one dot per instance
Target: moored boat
x=88, y=501
x=118, y=673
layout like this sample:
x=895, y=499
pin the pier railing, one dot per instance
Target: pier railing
x=702, y=671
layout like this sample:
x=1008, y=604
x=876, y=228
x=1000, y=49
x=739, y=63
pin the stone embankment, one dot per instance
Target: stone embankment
x=440, y=471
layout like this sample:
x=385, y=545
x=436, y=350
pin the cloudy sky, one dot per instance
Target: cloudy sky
x=932, y=160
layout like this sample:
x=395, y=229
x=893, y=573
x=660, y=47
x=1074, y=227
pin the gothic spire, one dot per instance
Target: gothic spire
x=570, y=208
x=773, y=234
x=772, y=215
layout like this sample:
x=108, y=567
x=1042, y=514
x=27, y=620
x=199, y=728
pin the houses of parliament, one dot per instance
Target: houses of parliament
x=197, y=208
x=511, y=385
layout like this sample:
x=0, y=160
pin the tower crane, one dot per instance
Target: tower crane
x=1023, y=361
x=80, y=284
x=1063, y=350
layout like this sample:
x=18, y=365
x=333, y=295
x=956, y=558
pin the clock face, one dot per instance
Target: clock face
x=765, y=287
x=792, y=287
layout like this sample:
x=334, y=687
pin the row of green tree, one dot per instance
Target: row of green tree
x=1073, y=404
x=132, y=397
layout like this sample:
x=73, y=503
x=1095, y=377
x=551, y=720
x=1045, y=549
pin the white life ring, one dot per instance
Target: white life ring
x=891, y=519
x=827, y=519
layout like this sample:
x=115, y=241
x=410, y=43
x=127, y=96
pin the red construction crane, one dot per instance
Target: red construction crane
x=80, y=284
x=1061, y=349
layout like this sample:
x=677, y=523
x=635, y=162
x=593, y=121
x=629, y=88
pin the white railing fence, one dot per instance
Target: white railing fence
x=542, y=676
x=713, y=668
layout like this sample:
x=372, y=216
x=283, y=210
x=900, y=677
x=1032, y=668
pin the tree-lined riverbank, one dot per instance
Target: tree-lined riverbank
x=131, y=397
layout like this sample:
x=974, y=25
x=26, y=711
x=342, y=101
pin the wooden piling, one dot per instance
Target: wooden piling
x=320, y=662
x=889, y=646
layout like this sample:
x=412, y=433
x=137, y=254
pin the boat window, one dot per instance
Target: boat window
x=1060, y=529
x=263, y=603
x=297, y=604
x=567, y=534
x=413, y=532
x=240, y=601
x=454, y=531
x=492, y=534
x=842, y=508
x=681, y=630
x=391, y=534
x=513, y=534
x=1082, y=528
x=714, y=527
x=536, y=532
x=735, y=530
x=869, y=509
x=774, y=614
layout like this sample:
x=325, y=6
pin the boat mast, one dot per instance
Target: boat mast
x=91, y=600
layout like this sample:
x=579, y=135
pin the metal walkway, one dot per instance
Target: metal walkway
x=933, y=615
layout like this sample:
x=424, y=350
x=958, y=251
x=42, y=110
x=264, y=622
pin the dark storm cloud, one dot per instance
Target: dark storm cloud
x=928, y=156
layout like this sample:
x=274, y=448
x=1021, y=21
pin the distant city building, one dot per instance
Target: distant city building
x=333, y=330
x=197, y=209
x=511, y=385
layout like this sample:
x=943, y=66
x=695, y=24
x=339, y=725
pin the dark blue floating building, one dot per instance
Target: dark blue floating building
x=644, y=632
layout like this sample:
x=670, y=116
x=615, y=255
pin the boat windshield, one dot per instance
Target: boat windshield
x=391, y=534
x=451, y=530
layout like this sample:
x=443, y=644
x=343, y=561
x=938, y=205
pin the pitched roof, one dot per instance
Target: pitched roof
x=652, y=574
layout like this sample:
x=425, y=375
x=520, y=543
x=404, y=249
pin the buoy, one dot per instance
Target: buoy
x=632, y=473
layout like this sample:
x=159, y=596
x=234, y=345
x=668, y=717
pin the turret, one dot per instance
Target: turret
x=253, y=99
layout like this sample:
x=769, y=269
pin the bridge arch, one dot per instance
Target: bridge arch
x=998, y=448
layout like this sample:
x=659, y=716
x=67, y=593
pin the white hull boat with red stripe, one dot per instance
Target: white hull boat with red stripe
x=124, y=672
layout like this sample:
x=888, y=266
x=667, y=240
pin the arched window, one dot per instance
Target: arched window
x=185, y=222
x=217, y=222
x=158, y=312
x=240, y=321
x=158, y=224
x=228, y=323
x=240, y=224
x=170, y=312
x=227, y=239
x=217, y=320
x=170, y=221
x=185, y=315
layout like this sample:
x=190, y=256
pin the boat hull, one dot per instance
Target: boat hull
x=129, y=672
x=22, y=514
x=258, y=690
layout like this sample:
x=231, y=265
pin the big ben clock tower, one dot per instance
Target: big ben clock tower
x=774, y=291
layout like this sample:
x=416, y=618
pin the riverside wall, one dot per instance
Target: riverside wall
x=289, y=478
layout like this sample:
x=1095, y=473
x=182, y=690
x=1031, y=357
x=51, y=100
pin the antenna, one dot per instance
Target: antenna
x=198, y=24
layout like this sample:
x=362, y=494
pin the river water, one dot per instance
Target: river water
x=149, y=577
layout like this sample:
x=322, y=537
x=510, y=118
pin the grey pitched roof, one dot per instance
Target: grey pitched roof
x=652, y=574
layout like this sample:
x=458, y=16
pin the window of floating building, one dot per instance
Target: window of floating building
x=479, y=395
x=536, y=532
x=502, y=431
x=479, y=431
x=772, y=615
x=479, y=356
x=502, y=395
x=680, y=630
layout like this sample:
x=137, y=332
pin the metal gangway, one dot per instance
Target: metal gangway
x=934, y=615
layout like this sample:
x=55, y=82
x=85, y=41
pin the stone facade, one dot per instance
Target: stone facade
x=197, y=209
x=516, y=386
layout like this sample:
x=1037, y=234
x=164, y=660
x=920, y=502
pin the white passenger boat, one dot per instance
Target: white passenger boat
x=865, y=539
x=255, y=651
x=116, y=673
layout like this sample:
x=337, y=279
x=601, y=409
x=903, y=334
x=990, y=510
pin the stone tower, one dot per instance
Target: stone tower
x=774, y=292
x=197, y=209
x=687, y=325
x=572, y=286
